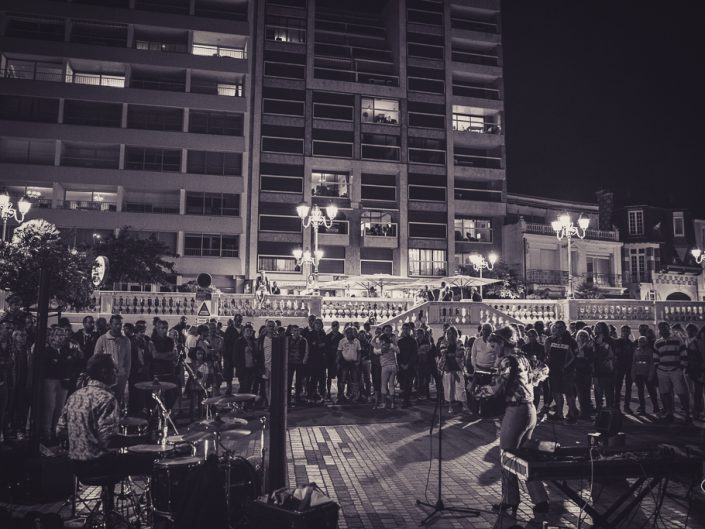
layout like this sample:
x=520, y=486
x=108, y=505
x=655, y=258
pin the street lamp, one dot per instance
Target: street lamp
x=7, y=211
x=314, y=217
x=698, y=255
x=565, y=228
x=479, y=263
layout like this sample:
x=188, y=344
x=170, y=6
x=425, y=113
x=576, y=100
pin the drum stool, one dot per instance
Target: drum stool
x=102, y=505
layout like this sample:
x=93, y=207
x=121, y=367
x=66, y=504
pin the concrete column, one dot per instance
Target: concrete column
x=182, y=202
x=180, y=243
x=130, y=36
x=120, y=197
x=121, y=162
x=57, y=198
x=57, y=153
x=61, y=110
x=123, y=120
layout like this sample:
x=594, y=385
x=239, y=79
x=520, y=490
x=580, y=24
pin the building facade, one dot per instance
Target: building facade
x=533, y=251
x=132, y=113
x=391, y=110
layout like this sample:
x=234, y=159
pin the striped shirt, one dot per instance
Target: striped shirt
x=670, y=354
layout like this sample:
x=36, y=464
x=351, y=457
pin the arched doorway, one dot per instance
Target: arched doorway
x=678, y=296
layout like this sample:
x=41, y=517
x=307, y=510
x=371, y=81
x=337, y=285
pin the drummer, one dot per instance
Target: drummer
x=90, y=421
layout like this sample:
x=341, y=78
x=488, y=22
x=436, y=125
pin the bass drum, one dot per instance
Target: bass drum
x=169, y=479
x=245, y=487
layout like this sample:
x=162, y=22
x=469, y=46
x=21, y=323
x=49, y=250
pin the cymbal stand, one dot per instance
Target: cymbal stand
x=164, y=418
x=189, y=369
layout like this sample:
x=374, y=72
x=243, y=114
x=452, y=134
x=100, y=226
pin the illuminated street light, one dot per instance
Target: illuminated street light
x=314, y=217
x=479, y=263
x=8, y=211
x=565, y=228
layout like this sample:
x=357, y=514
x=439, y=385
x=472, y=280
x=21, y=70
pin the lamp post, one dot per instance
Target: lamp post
x=314, y=217
x=698, y=255
x=7, y=211
x=564, y=228
x=479, y=263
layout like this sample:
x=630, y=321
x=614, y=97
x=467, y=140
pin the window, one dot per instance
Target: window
x=368, y=266
x=427, y=115
x=380, y=147
x=284, y=65
x=90, y=155
x=32, y=151
x=332, y=143
x=636, y=222
x=92, y=113
x=335, y=185
x=212, y=162
x=154, y=118
x=333, y=106
x=486, y=159
x=35, y=28
x=101, y=34
x=381, y=111
x=427, y=150
x=285, y=29
x=279, y=223
x=427, y=262
x=283, y=101
x=277, y=138
x=215, y=204
x=473, y=230
x=282, y=178
x=427, y=193
x=377, y=224
x=29, y=108
x=333, y=261
x=222, y=123
x=211, y=245
x=478, y=124
x=427, y=80
x=147, y=159
x=422, y=230
x=273, y=263
x=637, y=265
x=478, y=191
x=33, y=70
x=678, y=224
x=379, y=187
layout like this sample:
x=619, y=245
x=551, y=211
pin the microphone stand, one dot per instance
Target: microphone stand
x=439, y=507
x=164, y=419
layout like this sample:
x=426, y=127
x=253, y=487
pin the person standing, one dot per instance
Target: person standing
x=6, y=375
x=388, y=361
x=584, y=362
x=603, y=371
x=163, y=359
x=20, y=400
x=560, y=356
x=331, y=359
x=117, y=345
x=670, y=361
x=348, y=360
x=315, y=362
x=376, y=366
x=60, y=362
x=365, y=365
x=452, y=353
x=515, y=381
x=246, y=359
x=406, y=359
x=624, y=358
x=536, y=352
x=232, y=334
x=296, y=347
x=644, y=374
x=695, y=372
x=86, y=339
x=424, y=359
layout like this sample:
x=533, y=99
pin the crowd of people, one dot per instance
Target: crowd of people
x=589, y=367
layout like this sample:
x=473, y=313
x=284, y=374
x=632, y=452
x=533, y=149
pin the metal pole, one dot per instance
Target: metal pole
x=38, y=362
x=315, y=257
x=570, y=271
x=277, y=474
x=4, y=228
x=482, y=293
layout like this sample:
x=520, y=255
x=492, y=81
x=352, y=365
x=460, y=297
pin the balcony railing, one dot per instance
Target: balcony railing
x=165, y=47
x=485, y=162
x=546, y=229
x=473, y=25
x=362, y=309
x=547, y=277
x=476, y=91
x=332, y=191
x=355, y=77
x=208, y=50
x=88, y=205
x=388, y=230
x=475, y=58
x=138, y=207
x=32, y=75
x=560, y=277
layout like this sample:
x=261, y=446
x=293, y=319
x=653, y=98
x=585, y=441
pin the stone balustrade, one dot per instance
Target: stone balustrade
x=363, y=309
x=530, y=311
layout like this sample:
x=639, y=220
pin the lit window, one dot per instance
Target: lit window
x=383, y=111
x=678, y=225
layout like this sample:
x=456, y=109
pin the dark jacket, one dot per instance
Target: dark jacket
x=317, y=343
x=407, y=352
x=332, y=340
x=239, y=356
x=296, y=349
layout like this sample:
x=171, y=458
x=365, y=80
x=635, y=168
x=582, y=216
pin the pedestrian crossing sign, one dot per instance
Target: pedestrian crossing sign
x=205, y=309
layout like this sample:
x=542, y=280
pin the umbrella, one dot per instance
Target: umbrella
x=468, y=281
x=366, y=281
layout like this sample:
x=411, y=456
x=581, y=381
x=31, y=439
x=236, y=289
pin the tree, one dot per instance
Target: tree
x=134, y=260
x=36, y=244
x=588, y=290
x=511, y=287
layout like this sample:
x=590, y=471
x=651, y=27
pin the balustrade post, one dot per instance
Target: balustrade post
x=314, y=305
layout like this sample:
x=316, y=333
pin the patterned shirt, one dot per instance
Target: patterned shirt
x=90, y=418
x=519, y=378
x=670, y=354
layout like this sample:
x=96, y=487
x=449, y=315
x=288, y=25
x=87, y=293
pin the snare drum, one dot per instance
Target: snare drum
x=133, y=427
x=154, y=450
x=169, y=479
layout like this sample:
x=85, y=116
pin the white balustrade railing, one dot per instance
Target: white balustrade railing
x=363, y=309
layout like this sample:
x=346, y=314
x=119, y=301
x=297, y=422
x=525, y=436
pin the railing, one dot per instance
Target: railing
x=166, y=47
x=546, y=229
x=530, y=311
x=547, y=277
x=473, y=25
x=476, y=91
x=115, y=81
x=475, y=58
x=355, y=77
x=208, y=50
x=473, y=160
x=90, y=205
x=465, y=123
x=386, y=230
x=271, y=306
x=33, y=75
x=363, y=309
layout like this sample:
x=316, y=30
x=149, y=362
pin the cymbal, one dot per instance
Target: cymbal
x=238, y=397
x=211, y=400
x=219, y=425
x=236, y=433
x=195, y=437
x=155, y=385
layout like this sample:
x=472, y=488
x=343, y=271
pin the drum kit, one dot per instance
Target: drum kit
x=175, y=457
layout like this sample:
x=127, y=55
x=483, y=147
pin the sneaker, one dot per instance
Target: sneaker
x=627, y=410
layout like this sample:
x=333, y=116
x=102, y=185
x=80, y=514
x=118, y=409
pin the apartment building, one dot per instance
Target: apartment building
x=132, y=113
x=392, y=110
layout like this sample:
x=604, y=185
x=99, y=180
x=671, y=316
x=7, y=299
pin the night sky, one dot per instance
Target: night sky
x=606, y=95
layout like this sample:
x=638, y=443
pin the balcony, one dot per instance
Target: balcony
x=207, y=50
x=466, y=123
x=560, y=278
x=469, y=24
x=337, y=235
x=547, y=277
x=467, y=57
x=477, y=160
x=482, y=92
x=545, y=229
x=88, y=205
